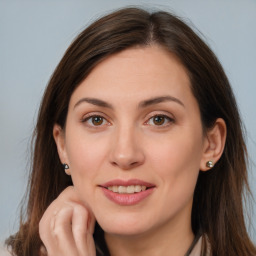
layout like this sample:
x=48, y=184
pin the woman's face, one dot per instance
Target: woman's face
x=134, y=142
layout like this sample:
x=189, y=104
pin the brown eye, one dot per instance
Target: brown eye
x=97, y=120
x=160, y=120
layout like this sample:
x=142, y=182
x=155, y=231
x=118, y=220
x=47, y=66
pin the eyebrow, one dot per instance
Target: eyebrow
x=158, y=100
x=143, y=104
x=96, y=102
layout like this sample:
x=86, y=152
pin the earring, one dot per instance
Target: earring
x=209, y=164
x=66, y=168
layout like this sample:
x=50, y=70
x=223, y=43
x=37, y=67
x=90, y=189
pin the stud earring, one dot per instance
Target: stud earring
x=66, y=168
x=209, y=164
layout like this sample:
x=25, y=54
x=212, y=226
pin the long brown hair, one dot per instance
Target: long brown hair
x=218, y=199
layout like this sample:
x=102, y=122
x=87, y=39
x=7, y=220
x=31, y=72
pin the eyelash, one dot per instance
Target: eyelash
x=87, y=118
x=167, y=120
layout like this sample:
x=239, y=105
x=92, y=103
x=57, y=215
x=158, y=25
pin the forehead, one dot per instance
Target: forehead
x=139, y=72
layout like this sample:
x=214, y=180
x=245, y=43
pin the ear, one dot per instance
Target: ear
x=59, y=137
x=214, y=143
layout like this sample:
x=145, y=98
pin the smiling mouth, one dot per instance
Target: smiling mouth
x=127, y=189
x=127, y=192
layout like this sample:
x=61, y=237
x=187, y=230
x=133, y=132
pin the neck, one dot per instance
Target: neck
x=172, y=238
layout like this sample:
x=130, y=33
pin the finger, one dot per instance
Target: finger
x=46, y=225
x=66, y=227
x=69, y=194
x=56, y=232
x=82, y=234
x=47, y=222
x=45, y=232
x=61, y=232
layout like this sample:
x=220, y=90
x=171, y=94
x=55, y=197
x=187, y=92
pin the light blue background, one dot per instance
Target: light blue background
x=33, y=37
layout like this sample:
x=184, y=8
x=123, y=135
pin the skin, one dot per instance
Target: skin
x=129, y=142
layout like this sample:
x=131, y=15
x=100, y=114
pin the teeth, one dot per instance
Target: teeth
x=130, y=189
x=137, y=188
x=127, y=189
x=121, y=189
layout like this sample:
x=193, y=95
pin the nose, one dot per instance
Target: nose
x=126, y=149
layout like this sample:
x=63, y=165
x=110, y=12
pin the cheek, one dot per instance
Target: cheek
x=177, y=149
x=86, y=155
x=82, y=157
x=176, y=159
x=176, y=163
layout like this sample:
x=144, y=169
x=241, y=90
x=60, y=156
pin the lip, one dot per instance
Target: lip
x=127, y=199
x=118, y=182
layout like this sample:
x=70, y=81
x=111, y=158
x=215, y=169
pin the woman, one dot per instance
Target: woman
x=138, y=147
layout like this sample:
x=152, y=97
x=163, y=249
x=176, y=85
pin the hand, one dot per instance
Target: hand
x=67, y=226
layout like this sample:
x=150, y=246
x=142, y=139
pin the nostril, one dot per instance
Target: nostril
x=125, y=165
x=126, y=157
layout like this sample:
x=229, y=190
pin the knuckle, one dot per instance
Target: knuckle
x=67, y=191
x=42, y=229
x=81, y=210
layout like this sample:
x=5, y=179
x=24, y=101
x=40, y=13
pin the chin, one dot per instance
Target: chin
x=124, y=226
